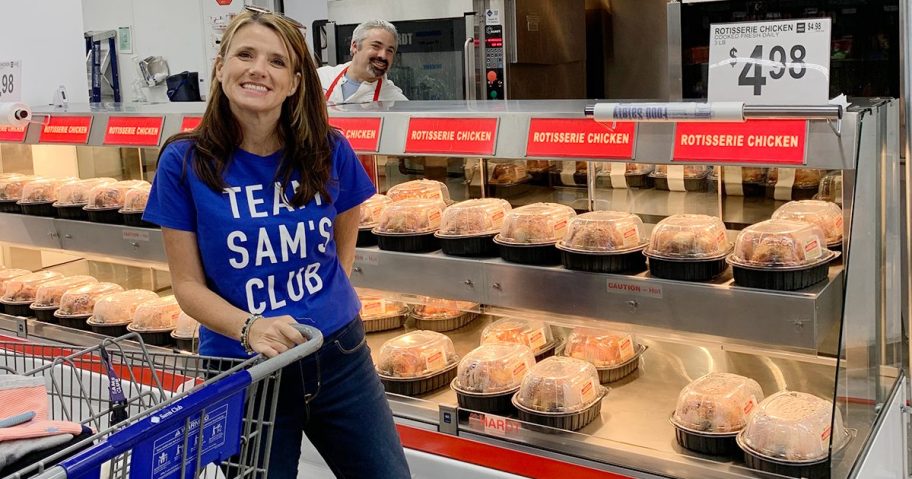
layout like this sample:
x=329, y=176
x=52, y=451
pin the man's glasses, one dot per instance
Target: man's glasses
x=262, y=11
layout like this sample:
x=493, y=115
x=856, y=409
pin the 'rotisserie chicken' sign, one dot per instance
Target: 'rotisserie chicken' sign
x=15, y=134
x=580, y=138
x=133, y=130
x=363, y=134
x=757, y=141
x=452, y=136
x=66, y=129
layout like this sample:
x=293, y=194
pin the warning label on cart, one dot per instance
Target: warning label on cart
x=211, y=435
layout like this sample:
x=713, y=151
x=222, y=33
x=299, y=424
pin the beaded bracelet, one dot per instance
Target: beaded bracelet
x=245, y=332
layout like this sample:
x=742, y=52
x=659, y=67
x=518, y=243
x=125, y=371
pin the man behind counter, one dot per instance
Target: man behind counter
x=363, y=79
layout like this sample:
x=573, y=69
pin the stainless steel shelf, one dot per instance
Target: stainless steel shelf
x=135, y=244
x=825, y=149
x=803, y=321
x=633, y=429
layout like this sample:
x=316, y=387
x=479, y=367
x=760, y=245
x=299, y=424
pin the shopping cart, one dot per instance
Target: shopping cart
x=157, y=416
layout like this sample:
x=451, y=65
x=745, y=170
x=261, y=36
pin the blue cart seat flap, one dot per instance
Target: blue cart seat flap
x=161, y=441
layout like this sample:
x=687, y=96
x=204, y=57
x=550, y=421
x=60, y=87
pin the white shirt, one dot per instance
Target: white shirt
x=365, y=94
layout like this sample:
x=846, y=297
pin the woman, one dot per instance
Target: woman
x=258, y=208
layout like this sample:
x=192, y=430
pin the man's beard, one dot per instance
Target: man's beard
x=377, y=71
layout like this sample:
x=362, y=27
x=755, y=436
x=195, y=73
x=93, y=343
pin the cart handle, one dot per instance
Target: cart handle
x=313, y=344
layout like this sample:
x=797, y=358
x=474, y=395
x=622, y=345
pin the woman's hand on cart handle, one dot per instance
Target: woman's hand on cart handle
x=273, y=336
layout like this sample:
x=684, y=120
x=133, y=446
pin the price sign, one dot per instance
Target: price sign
x=10, y=80
x=763, y=63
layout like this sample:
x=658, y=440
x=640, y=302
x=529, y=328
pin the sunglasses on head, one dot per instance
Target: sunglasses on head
x=262, y=11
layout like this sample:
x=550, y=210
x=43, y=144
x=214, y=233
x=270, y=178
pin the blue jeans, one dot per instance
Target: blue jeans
x=335, y=397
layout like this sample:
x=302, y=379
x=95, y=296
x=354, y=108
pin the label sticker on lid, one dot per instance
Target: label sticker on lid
x=434, y=219
x=536, y=339
x=749, y=406
x=785, y=180
x=631, y=237
x=618, y=176
x=812, y=249
x=559, y=227
x=825, y=437
x=436, y=360
x=626, y=347
x=588, y=390
x=520, y=370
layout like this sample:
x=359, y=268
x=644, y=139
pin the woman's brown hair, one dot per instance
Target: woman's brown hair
x=303, y=127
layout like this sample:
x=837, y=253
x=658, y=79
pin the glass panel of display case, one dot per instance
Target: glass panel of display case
x=16, y=158
x=117, y=163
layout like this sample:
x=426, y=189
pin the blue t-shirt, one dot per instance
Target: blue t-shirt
x=258, y=253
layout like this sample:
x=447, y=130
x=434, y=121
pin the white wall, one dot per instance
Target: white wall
x=178, y=30
x=47, y=35
x=306, y=11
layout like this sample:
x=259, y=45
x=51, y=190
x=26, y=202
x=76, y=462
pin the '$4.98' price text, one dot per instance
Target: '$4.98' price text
x=778, y=62
x=7, y=85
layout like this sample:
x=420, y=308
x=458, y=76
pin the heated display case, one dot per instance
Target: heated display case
x=838, y=340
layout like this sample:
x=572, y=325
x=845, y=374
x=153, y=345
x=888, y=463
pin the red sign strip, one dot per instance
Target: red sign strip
x=757, y=141
x=580, y=138
x=190, y=122
x=66, y=129
x=362, y=133
x=133, y=130
x=14, y=134
x=493, y=457
x=451, y=136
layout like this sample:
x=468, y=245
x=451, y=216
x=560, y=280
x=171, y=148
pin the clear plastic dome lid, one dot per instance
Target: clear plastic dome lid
x=118, y=308
x=136, y=198
x=413, y=216
x=422, y=189
x=158, y=314
x=186, y=327
x=508, y=173
x=634, y=169
x=830, y=188
x=7, y=274
x=439, y=308
x=800, y=177
x=534, y=334
x=560, y=385
x=375, y=307
x=826, y=215
x=371, y=210
x=22, y=289
x=80, y=301
x=43, y=190
x=48, y=294
x=493, y=368
x=688, y=171
x=604, y=232
x=689, y=237
x=717, y=403
x=538, y=223
x=12, y=186
x=478, y=217
x=76, y=193
x=794, y=427
x=604, y=349
x=780, y=244
x=109, y=196
x=416, y=354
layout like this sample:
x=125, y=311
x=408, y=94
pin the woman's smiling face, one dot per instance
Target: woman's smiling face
x=256, y=73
